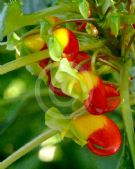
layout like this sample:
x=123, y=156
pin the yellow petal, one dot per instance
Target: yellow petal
x=62, y=36
x=34, y=42
x=87, y=124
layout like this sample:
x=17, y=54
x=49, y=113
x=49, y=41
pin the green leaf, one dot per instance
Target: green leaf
x=113, y=22
x=3, y=12
x=106, y=5
x=13, y=16
x=55, y=49
x=84, y=8
x=99, y=2
x=12, y=41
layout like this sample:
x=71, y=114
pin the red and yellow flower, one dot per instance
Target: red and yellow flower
x=68, y=41
x=102, y=134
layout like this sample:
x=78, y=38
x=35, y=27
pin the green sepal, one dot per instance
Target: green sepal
x=67, y=78
x=13, y=16
x=3, y=13
x=55, y=48
x=44, y=27
x=54, y=119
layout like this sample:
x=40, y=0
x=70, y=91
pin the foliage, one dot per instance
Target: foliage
x=22, y=114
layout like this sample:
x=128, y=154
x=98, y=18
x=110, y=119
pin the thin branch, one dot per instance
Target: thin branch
x=23, y=61
x=27, y=148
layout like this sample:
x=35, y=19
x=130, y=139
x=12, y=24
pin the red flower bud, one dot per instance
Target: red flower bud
x=68, y=41
x=102, y=98
x=102, y=134
x=105, y=141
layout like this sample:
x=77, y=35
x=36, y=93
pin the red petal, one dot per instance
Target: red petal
x=105, y=141
x=111, y=90
x=113, y=99
x=72, y=49
x=96, y=102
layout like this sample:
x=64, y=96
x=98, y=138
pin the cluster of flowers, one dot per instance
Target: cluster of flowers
x=102, y=134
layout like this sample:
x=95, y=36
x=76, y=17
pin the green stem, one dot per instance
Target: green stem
x=132, y=100
x=125, y=106
x=35, y=57
x=23, y=61
x=35, y=18
x=27, y=148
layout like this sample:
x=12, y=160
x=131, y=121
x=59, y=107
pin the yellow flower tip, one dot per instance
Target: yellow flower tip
x=34, y=42
x=86, y=124
x=62, y=36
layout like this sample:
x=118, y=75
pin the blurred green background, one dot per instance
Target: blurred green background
x=21, y=119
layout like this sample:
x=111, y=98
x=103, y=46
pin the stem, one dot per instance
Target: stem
x=106, y=58
x=35, y=18
x=132, y=100
x=26, y=60
x=78, y=112
x=75, y=20
x=27, y=148
x=125, y=106
x=35, y=57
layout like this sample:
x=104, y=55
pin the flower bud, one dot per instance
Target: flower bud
x=68, y=41
x=102, y=134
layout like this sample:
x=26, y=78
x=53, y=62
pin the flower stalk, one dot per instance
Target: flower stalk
x=27, y=148
x=23, y=61
x=125, y=107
